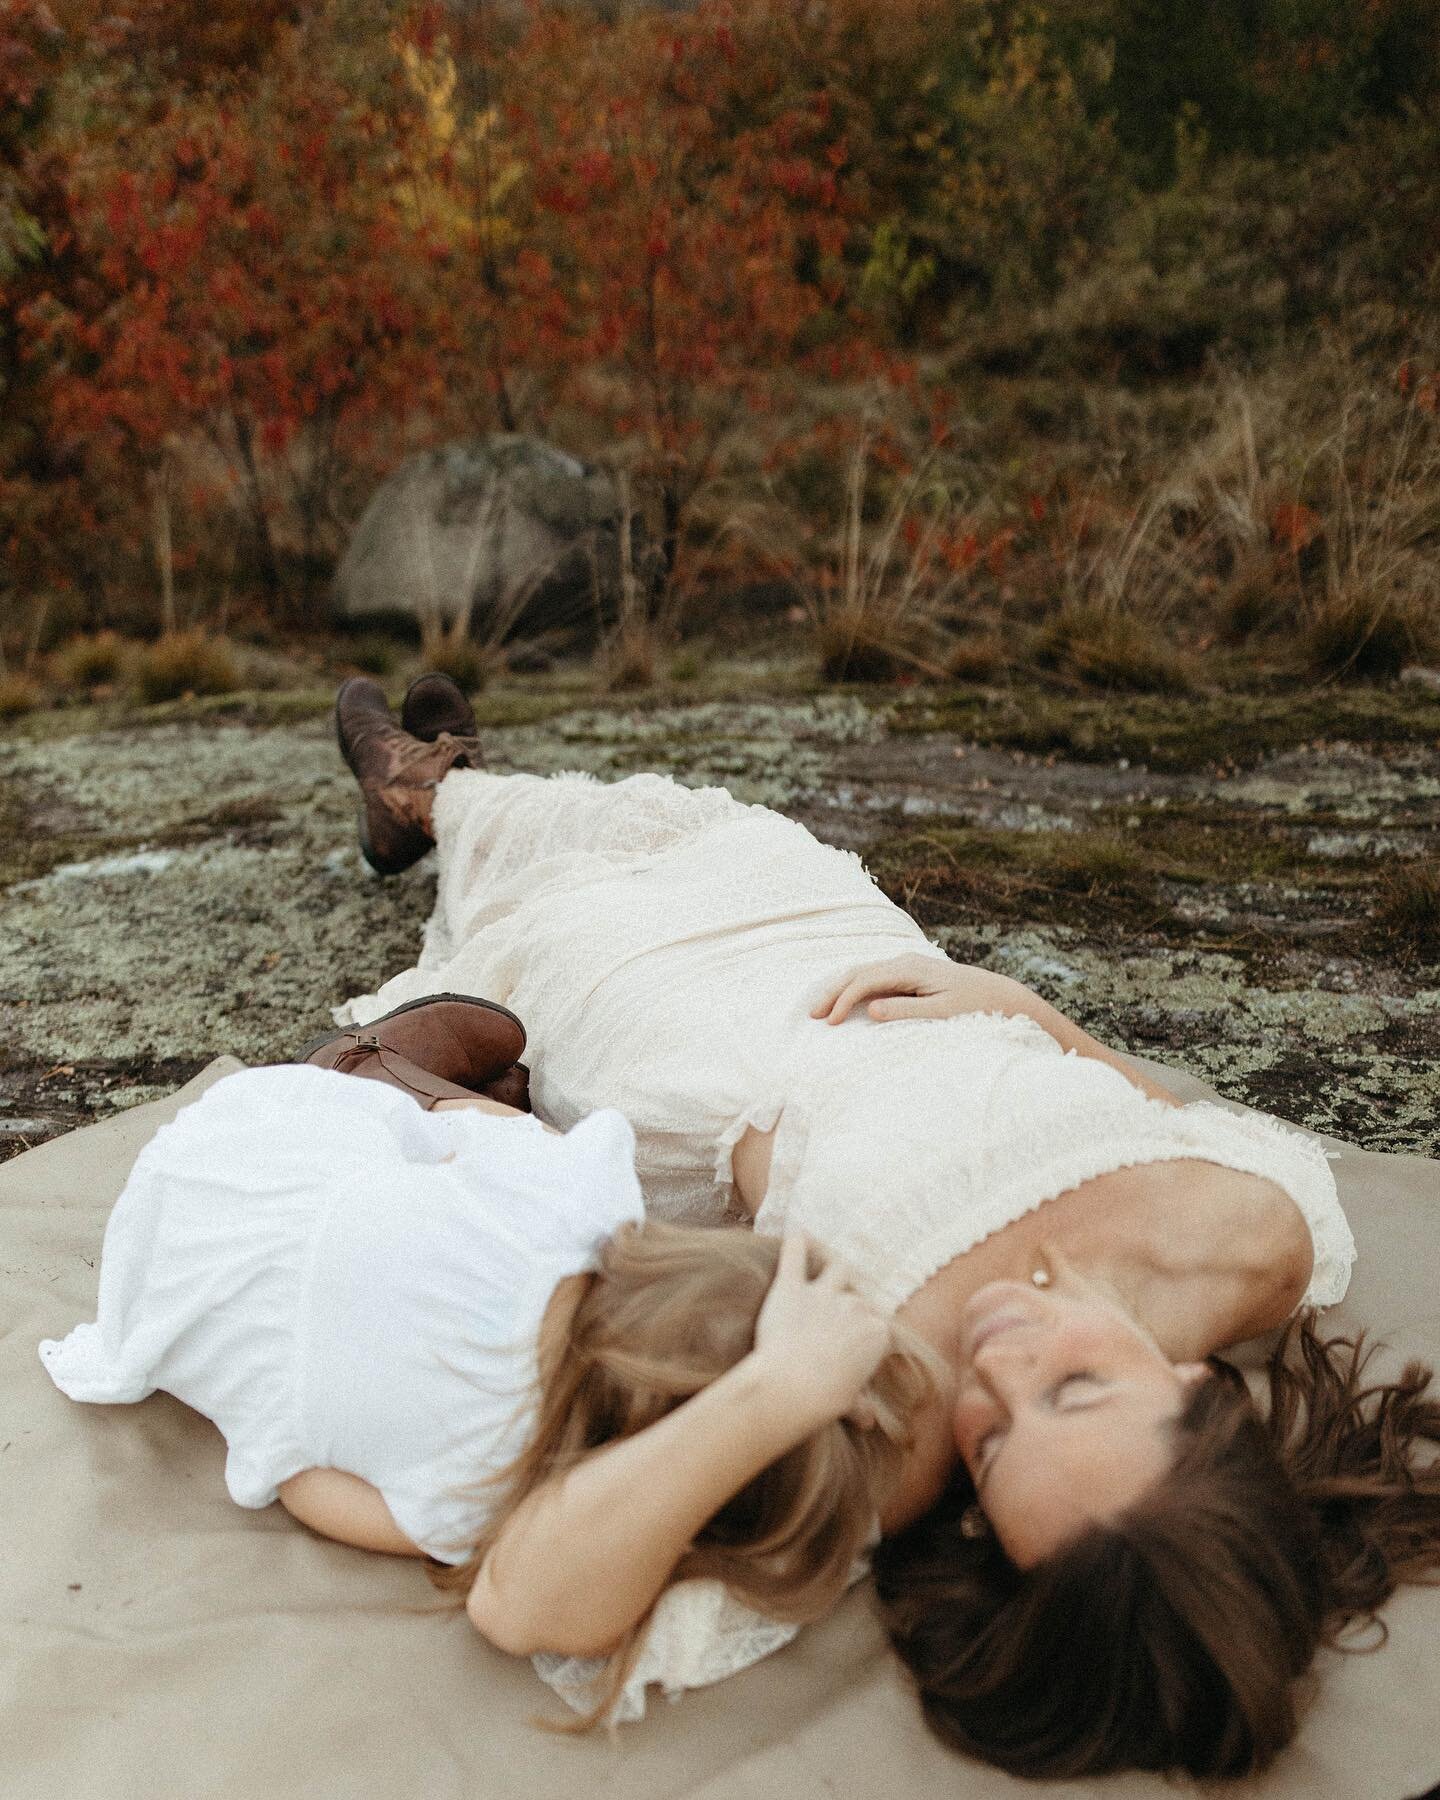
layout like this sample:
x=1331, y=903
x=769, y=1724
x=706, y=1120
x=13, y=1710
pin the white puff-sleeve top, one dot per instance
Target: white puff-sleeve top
x=340, y=1279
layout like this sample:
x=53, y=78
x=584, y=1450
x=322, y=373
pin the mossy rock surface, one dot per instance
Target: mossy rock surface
x=1177, y=733
x=1207, y=881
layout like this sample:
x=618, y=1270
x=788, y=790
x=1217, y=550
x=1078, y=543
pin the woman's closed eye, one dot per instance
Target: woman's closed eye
x=1075, y=1387
x=1071, y=1393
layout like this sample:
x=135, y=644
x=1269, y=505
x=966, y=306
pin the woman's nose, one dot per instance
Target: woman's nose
x=1003, y=1367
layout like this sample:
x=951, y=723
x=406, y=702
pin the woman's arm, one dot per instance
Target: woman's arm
x=927, y=987
x=585, y=1555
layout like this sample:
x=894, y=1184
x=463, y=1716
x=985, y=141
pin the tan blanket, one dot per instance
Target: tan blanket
x=159, y=1641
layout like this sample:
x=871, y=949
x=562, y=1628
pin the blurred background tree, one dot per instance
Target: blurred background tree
x=253, y=254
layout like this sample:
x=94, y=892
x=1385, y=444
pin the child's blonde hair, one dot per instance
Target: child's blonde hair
x=670, y=1308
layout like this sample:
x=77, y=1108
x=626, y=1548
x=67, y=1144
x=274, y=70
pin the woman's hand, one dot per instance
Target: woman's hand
x=905, y=987
x=932, y=987
x=817, y=1343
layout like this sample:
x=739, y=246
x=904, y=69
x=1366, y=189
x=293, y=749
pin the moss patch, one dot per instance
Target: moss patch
x=944, y=875
x=1118, y=869
x=1178, y=732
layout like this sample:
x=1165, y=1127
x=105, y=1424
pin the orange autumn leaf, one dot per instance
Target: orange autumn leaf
x=1295, y=526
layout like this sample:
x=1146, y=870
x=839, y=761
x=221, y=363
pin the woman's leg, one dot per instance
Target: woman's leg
x=510, y=849
x=501, y=838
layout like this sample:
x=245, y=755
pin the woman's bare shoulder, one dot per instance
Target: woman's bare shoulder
x=1259, y=1227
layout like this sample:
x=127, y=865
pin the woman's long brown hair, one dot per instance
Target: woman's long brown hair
x=671, y=1308
x=1171, y=1637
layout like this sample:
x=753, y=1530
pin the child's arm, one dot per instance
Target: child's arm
x=345, y=1508
x=584, y=1556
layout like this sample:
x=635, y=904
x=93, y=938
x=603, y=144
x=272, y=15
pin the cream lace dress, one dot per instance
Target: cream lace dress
x=664, y=947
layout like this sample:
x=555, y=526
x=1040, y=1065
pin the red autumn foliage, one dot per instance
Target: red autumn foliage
x=1295, y=526
x=960, y=553
x=997, y=551
x=242, y=247
x=695, y=292
x=247, y=286
x=42, y=496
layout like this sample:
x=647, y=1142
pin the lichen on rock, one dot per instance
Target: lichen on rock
x=180, y=888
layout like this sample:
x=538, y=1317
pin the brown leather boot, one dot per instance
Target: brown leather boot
x=446, y=1047
x=434, y=703
x=398, y=774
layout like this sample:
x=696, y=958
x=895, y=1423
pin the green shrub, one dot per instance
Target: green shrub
x=185, y=662
x=1271, y=77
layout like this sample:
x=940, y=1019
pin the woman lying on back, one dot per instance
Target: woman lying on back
x=1116, y=1560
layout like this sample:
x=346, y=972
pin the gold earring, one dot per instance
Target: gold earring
x=1041, y=1278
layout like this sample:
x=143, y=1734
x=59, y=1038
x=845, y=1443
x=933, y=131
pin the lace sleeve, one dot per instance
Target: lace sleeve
x=698, y=1633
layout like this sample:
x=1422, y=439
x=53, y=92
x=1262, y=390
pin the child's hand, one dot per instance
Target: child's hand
x=817, y=1343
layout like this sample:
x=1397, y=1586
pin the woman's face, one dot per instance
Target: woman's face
x=1061, y=1406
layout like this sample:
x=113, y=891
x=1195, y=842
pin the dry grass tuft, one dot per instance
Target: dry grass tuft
x=90, y=662
x=1111, y=628
x=884, y=589
x=1409, y=910
x=19, y=694
x=1374, y=608
x=630, y=656
x=1251, y=601
x=186, y=662
x=1106, y=648
x=1367, y=634
x=371, y=654
x=854, y=647
x=977, y=656
x=457, y=655
x=1322, y=516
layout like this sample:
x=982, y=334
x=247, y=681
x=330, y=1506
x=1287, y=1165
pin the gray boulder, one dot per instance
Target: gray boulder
x=497, y=533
